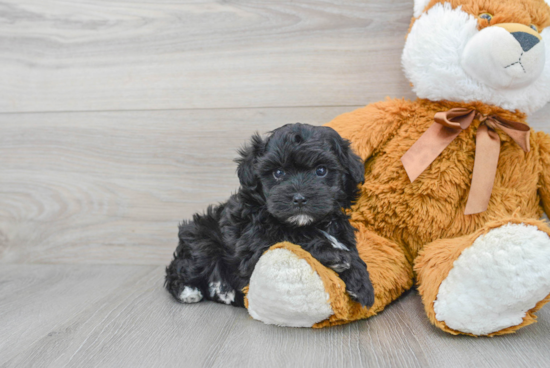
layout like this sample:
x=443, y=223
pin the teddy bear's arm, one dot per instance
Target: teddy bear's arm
x=369, y=127
x=544, y=190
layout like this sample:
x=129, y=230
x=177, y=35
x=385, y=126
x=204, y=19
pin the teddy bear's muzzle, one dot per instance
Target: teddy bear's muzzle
x=505, y=56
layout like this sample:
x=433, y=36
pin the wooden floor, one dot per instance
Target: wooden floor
x=118, y=119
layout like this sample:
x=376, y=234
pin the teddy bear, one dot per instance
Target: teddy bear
x=455, y=184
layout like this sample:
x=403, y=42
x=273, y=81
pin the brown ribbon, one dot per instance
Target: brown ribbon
x=449, y=124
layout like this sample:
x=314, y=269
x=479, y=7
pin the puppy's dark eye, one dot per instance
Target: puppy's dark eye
x=277, y=174
x=321, y=171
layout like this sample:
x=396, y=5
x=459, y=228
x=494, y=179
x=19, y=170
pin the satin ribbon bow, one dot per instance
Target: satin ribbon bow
x=448, y=125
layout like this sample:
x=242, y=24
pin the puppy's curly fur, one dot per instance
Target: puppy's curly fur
x=294, y=185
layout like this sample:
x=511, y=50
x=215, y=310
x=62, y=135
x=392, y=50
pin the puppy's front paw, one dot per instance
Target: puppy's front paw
x=340, y=267
x=364, y=296
x=340, y=262
x=358, y=286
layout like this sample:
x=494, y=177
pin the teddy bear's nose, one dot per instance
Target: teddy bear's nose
x=526, y=40
x=526, y=36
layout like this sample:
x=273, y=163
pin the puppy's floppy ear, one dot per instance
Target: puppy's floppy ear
x=247, y=161
x=353, y=166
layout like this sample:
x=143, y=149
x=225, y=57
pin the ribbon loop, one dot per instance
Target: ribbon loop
x=448, y=125
x=517, y=131
x=458, y=118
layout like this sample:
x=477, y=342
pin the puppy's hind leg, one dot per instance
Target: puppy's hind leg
x=221, y=291
x=181, y=283
x=199, y=250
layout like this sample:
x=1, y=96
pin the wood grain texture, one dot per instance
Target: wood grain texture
x=36, y=300
x=541, y=119
x=133, y=325
x=63, y=55
x=112, y=187
x=85, y=321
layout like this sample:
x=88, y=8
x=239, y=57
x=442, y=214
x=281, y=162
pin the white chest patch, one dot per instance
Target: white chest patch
x=215, y=290
x=190, y=295
x=335, y=243
x=300, y=220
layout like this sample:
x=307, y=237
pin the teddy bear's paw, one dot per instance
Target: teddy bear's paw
x=496, y=281
x=284, y=290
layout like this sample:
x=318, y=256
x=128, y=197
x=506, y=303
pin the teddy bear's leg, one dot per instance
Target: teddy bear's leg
x=291, y=288
x=487, y=283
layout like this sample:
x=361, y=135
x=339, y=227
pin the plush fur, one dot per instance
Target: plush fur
x=294, y=187
x=475, y=298
x=417, y=232
x=434, y=57
x=301, y=290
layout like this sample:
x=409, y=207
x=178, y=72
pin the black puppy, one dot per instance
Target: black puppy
x=294, y=187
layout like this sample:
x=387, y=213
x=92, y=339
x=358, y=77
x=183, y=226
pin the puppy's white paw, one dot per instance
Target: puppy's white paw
x=190, y=295
x=216, y=290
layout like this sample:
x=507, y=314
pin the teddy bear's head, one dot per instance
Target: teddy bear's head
x=493, y=51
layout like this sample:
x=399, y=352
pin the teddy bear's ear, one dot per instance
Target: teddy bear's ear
x=420, y=5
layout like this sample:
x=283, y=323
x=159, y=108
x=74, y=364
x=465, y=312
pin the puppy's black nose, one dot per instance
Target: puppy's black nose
x=299, y=200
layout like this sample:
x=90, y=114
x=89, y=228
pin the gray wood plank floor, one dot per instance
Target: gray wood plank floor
x=120, y=118
x=105, y=316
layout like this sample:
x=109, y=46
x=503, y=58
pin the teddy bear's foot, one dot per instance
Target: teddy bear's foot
x=289, y=287
x=497, y=281
x=284, y=290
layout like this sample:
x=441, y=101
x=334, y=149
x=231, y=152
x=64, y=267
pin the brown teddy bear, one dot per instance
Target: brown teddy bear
x=456, y=181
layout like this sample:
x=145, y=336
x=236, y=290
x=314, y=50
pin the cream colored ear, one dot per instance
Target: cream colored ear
x=419, y=6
